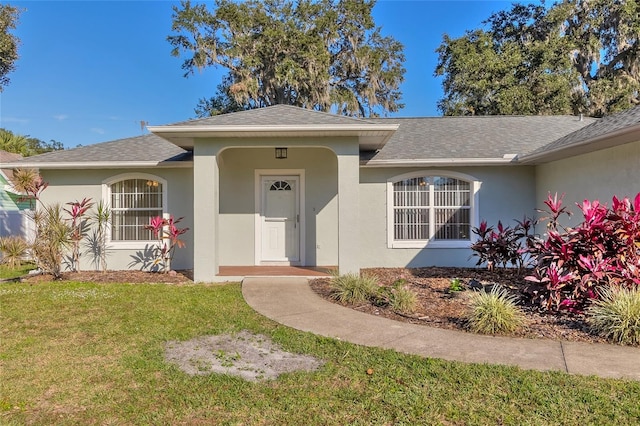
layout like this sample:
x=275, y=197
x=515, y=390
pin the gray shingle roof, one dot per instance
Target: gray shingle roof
x=147, y=148
x=478, y=137
x=474, y=137
x=277, y=115
x=8, y=157
x=602, y=127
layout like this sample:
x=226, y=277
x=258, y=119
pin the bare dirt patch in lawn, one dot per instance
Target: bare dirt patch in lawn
x=439, y=307
x=253, y=357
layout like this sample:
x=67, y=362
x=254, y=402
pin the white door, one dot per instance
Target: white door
x=280, y=217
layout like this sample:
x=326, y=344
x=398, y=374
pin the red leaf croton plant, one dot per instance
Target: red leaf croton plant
x=571, y=264
x=79, y=227
x=167, y=233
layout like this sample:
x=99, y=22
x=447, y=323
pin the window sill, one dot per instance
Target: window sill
x=430, y=244
x=131, y=245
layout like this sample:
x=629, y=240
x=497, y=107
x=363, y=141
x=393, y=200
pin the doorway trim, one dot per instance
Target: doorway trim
x=258, y=175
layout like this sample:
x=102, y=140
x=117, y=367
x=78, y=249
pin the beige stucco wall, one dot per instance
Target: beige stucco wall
x=71, y=185
x=506, y=193
x=597, y=175
x=237, y=202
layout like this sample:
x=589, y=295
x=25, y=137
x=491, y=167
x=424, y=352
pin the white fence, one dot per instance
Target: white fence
x=18, y=223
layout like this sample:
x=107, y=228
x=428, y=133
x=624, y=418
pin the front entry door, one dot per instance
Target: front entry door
x=280, y=217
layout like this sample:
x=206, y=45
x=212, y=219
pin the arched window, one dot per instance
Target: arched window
x=133, y=202
x=431, y=209
x=280, y=185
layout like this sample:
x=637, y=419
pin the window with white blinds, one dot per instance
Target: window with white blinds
x=432, y=208
x=133, y=203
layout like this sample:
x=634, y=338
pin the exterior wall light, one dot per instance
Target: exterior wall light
x=281, y=153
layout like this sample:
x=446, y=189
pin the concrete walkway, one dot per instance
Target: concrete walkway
x=290, y=301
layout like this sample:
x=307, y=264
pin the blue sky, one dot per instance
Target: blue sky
x=91, y=71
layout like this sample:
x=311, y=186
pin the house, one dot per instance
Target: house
x=14, y=207
x=285, y=185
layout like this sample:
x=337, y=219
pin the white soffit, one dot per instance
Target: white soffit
x=371, y=136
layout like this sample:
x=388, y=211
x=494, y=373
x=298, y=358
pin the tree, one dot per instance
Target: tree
x=576, y=56
x=222, y=103
x=26, y=145
x=8, y=42
x=317, y=54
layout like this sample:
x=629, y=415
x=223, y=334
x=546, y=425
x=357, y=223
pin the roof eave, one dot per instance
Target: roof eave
x=100, y=165
x=430, y=162
x=370, y=136
x=619, y=137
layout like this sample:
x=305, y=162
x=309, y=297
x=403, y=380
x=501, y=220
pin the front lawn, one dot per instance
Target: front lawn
x=6, y=272
x=85, y=353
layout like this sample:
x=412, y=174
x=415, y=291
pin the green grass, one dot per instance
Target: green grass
x=7, y=272
x=82, y=353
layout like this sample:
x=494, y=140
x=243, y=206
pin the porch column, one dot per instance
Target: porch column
x=206, y=201
x=348, y=208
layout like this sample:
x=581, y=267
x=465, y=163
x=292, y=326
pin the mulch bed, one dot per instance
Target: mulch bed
x=438, y=307
x=173, y=277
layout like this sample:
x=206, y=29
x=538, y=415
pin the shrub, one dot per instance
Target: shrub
x=403, y=300
x=494, y=312
x=456, y=285
x=13, y=251
x=502, y=246
x=79, y=227
x=52, y=238
x=54, y=234
x=396, y=296
x=167, y=233
x=616, y=315
x=572, y=264
x=30, y=183
x=352, y=289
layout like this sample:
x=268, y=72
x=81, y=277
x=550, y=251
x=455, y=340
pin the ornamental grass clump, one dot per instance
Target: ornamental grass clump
x=13, y=251
x=352, y=289
x=397, y=297
x=403, y=300
x=616, y=315
x=495, y=312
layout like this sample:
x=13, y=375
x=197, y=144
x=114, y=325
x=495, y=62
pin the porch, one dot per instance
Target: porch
x=278, y=184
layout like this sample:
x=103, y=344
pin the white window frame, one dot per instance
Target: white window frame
x=106, y=197
x=474, y=215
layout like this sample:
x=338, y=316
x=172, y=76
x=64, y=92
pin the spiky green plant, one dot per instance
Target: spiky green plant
x=456, y=285
x=13, y=251
x=52, y=239
x=351, y=288
x=495, y=312
x=403, y=300
x=98, y=241
x=616, y=315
